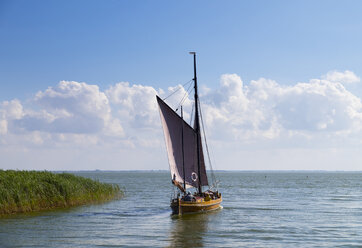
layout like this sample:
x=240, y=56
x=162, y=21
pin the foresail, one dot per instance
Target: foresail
x=172, y=125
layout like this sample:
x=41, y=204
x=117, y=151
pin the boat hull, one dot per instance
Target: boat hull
x=179, y=206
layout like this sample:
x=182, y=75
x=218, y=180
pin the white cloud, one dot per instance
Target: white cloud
x=12, y=109
x=3, y=126
x=265, y=109
x=341, y=77
x=319, y=105
x=70, y=107
x=9, y=111
x=76, y=107
x=262, y=109
x=136, y=104
x=259, y=115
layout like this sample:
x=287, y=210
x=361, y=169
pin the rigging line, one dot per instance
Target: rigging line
x=192, y=113
x=207, y=147
x=177, y=90
x=188, y=91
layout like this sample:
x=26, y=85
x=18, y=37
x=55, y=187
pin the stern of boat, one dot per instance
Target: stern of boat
x=197, y=204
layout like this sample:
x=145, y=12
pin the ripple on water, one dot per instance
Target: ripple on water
x=267, y=209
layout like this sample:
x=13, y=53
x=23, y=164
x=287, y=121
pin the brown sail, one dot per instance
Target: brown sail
x=173, y=125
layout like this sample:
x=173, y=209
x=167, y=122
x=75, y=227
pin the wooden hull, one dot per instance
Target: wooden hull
x=179, y=206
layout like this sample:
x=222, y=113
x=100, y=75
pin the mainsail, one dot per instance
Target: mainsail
x=173, y=127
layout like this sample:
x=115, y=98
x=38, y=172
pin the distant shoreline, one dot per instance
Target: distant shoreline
x=29, y=191
x=253, y=171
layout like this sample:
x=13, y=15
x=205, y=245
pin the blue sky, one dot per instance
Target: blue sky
x=146, y=43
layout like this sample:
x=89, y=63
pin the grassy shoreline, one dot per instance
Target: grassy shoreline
x=28, y=191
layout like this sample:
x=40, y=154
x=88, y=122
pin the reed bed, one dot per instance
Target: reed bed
x=26, y=191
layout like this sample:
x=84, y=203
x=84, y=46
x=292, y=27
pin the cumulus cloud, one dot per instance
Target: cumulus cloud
x=3, y=127
x=12, y=109
x=74, y=108
x=229, y=112
x=265, y=109
x=319, y=105
x=342, y=77
x=126, y=115
x=136, y=105
x=9, y=111
x=70, y=107
x=256, y=115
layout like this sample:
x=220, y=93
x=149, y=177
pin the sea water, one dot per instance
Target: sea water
x=260, y=209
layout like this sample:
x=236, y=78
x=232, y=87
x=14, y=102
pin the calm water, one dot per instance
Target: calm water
x=263, y=209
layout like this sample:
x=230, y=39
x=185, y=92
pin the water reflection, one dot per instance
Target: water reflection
x=190, y=230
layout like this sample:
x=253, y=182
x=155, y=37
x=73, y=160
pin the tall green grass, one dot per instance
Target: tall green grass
x=25, y=191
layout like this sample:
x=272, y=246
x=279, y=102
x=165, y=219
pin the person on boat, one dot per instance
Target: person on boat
x=189, y=197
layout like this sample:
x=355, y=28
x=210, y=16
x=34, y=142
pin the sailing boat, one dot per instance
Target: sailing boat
x=186, y=159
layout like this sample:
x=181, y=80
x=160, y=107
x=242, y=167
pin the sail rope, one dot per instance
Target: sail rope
x=177, y=89
x=215, y=182
x=192, y=114
x=187, y=93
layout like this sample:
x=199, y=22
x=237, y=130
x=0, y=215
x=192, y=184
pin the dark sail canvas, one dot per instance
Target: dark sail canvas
x=173, y=126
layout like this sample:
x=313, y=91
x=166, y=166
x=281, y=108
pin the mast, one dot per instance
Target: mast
x=197, y=126
x=183, y=153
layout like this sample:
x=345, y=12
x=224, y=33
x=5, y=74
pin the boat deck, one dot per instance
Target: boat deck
x=200, y=205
